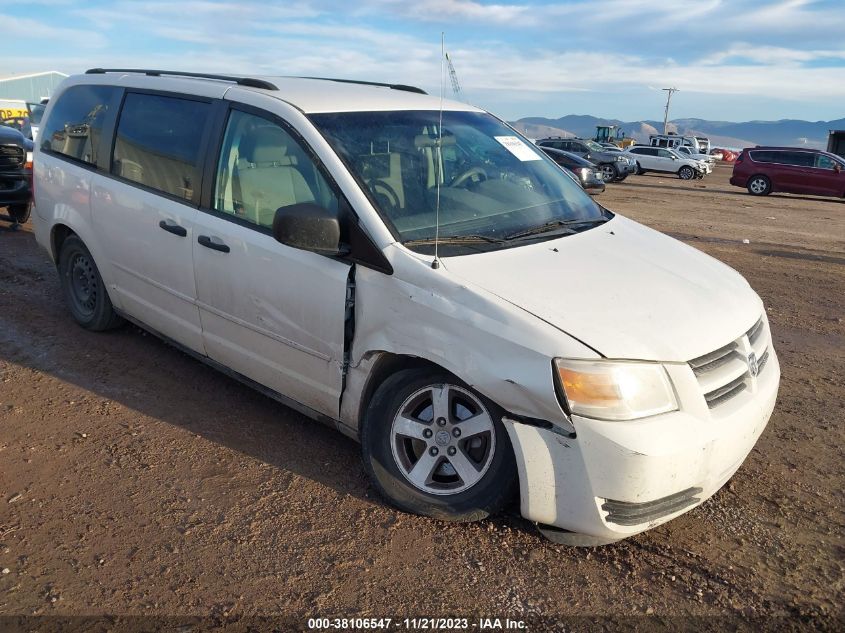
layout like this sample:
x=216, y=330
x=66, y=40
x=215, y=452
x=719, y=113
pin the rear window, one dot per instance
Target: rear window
x=76, y=121
x=158, y=143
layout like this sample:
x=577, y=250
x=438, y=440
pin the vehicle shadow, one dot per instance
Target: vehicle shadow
x=708, y=189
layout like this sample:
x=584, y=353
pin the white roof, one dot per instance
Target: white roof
x=309, y=95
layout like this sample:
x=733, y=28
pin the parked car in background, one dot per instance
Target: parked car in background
x=664, y=160
x=706, y=160
x=763, y=170
x=699, y=144
x=36, y=111
x=15, y=174
x=615, y=167
x=587, y=174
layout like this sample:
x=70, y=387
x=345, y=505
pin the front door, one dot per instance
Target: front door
x=272, y=313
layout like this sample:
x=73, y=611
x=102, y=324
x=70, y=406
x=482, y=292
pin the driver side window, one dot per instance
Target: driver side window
x=262, y=167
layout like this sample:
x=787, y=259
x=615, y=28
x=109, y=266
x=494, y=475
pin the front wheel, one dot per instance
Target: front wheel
x=84, y=290
x=608, y=172
x=759, y=186
x=433, y=446
x=686, y=173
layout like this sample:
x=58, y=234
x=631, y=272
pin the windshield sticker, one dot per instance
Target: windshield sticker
x=516, y=147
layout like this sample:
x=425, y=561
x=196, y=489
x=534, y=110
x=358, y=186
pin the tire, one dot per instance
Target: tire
x=686, y=173
x=640, y=171
x=19, y=212
x=83, y=288
x=759, y=185
x=609, y=172
x=393, y=441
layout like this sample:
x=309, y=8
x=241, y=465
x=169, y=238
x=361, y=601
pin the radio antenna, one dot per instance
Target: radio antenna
x=435, y=264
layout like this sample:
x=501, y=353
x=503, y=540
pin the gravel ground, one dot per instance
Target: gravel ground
x=135, y=481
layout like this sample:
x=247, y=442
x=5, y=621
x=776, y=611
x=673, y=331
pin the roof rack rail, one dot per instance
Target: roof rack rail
x=404, y=87
x=250, y=82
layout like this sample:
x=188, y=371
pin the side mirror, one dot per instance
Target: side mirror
x=309, y=227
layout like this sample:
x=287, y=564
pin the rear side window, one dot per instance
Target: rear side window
x=158, y=143
x=763, y=157
x=76, y=121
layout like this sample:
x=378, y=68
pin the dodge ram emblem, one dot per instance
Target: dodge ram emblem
x=753, y=367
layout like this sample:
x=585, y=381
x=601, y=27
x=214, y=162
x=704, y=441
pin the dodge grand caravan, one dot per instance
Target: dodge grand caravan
x=424, y=280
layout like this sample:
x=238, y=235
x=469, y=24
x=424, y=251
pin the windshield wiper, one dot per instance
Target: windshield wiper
x=550, y=226
x=455, y=239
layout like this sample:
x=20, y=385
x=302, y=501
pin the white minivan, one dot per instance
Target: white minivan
x=418, y=276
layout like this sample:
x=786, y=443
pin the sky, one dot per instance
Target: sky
x=732, y=60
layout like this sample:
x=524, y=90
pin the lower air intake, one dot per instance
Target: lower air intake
x=625, y=513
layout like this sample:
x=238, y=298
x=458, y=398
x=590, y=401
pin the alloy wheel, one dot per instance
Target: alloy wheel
x=443, y=439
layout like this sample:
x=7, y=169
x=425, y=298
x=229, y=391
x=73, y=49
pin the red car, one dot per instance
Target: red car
x=763, y=170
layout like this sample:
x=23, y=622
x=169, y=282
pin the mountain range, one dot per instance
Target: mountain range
x=787, y=132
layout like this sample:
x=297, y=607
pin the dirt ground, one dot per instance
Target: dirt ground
x=136, y=481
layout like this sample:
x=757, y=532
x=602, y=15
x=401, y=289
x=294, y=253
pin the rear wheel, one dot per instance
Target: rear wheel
x=686, y=173
x=19, y=212
x=433, y=446
x=85, y=293
x=759, y=186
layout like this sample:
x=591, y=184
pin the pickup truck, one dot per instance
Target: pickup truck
x=15, y=175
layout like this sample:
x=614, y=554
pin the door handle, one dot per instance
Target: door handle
x=204, y=240
x=181, y=231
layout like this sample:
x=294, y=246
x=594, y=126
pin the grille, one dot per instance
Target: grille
x=626, y=513
x=12, y=157
x=724, y=373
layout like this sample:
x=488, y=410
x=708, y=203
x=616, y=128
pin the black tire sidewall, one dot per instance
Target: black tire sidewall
x=103, y=316
x=486, y=497
x=19, y=212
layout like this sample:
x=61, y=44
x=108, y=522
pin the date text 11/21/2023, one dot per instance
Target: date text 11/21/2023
x=417, y=624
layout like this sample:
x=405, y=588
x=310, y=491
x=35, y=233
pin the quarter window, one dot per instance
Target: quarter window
x=262, y=167
x=158, y=143
x=75, y=126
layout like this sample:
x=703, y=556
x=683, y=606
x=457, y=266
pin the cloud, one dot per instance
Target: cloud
x=22, y=30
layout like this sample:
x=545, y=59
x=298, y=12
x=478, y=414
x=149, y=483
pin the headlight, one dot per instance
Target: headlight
x=585, y=173
x=620, y=159
x=615, y=390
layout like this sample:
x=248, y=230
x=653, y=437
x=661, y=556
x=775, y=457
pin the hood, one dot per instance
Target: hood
x=11, y=135
x=625, y=290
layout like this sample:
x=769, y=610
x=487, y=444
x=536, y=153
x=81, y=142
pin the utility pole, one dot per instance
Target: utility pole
x=668, y=92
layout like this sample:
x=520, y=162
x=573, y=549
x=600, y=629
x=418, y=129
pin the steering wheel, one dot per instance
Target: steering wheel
x=465, y=175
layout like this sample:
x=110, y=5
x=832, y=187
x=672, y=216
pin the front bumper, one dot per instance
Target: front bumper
x=14, y=188
x=616, y=479
x=626, y=168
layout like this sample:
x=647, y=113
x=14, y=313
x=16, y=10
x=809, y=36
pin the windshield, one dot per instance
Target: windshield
x=594, y=146
x=493, y=183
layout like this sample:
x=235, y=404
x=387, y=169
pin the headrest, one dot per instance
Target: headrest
x=266, y=145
